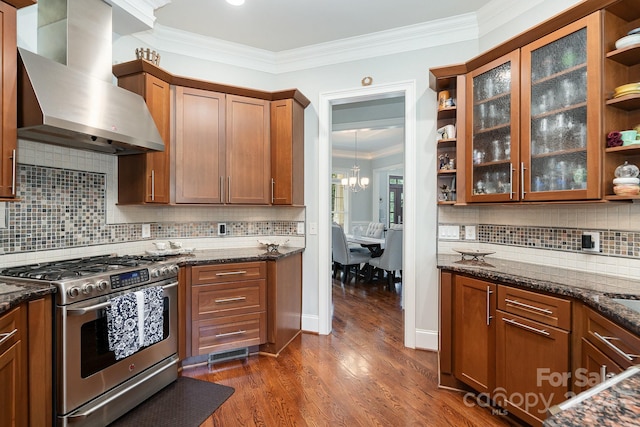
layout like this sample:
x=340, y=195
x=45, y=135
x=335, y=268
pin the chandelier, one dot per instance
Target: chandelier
x=353, y=182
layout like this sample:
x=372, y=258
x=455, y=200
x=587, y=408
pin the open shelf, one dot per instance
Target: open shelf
x=627, y=102
x=626, y=56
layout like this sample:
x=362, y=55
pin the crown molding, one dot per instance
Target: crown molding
x=349, y=154
x=184, y=43
x=134, y=15
x=405, y=39
x=497, y=13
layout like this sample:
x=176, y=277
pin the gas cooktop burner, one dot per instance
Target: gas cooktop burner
x=79, y=267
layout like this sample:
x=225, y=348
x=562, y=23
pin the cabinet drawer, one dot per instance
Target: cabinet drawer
x=231, y=298
x=615, y=342
x=547, y=309
x=229, y=332
x=219, y=273
x=9, y=329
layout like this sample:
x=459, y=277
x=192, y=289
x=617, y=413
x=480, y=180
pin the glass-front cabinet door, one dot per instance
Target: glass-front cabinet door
x=561, y=100
x=492, y=150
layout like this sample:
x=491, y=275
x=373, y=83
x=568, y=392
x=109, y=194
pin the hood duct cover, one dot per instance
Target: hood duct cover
x=63, y=105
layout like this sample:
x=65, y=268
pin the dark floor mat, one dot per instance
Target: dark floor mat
x=186, y=402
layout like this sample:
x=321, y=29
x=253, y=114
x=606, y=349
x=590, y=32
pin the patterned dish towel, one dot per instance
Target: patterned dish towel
x=135, y=320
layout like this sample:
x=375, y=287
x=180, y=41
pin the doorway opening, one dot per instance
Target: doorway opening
x=327, y=102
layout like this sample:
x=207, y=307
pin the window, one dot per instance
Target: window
x=396, y=199
x=339, y=201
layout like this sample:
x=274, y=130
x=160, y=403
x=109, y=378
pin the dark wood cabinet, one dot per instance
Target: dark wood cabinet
x=8, y=96
x=226, y=307
x=13, y=369
x=529, y=358
x=287, y=152
x=596, y=367
x=200, y=147
x=284, y=302
x=474, y=333
x=144, y=178
x=248, y=157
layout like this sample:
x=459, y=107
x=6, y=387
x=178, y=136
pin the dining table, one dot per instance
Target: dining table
x=374, y=245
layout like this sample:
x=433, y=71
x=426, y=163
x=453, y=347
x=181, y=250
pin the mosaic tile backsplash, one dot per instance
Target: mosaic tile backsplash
x=612, y=242
x=62, y=208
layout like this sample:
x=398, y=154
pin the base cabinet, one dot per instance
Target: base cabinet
x=284, y=302
x=529, y=356
x=13, y=372
x=474, y=333
x=228, y=307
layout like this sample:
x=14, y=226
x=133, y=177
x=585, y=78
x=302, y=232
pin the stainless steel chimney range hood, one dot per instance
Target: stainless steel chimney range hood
x=65, y=92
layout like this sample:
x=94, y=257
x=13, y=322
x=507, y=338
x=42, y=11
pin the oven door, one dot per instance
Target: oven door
x=86, y=368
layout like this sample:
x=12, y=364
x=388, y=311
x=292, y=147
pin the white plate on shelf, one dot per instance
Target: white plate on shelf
x=627, y=41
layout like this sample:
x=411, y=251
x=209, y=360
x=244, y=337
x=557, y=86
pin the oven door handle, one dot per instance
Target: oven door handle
x=84, y=310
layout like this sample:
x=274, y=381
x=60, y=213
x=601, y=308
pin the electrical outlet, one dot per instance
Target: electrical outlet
x=591, y=241
x=469, y=232
x=146, y=230
x=300, y=229
x=222, y=229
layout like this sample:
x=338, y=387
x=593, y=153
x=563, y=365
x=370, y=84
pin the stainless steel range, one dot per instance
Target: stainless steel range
x=93, y=387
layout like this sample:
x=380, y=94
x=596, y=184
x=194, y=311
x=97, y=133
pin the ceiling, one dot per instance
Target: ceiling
x=280, y=25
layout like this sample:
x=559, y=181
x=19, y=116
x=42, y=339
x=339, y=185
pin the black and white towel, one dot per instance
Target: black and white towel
x=135, y=320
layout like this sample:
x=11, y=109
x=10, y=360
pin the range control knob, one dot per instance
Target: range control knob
x=155, y=273
x=88, y=288
x=73, y=292
x=102, y=285
x=164, y=271
x=174, y=269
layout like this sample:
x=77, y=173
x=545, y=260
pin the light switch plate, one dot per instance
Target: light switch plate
x=300, y=229
x=469, y=232
x=313, y=228
x=451, y=232
x=146, y=230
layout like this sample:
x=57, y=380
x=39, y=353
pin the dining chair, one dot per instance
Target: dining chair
x=375, y=230
x=343, y=258
x=391, y=259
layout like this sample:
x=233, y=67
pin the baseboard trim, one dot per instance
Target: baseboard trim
x=426, y=339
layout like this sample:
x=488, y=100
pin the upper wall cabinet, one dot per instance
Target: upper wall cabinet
x=287, y=152
x=248, y=151
x=534, y=120
x=561, y=130
x=8, y=82
x=492, y=151
x=223, y=144
x=199, y=146
x=144, y=178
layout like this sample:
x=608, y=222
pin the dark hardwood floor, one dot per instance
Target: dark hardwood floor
x=359, y=375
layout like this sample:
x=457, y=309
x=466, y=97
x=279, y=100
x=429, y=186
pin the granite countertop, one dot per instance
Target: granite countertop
x=13, y=294
x=229, y=255
x=616, y=405
x=595, y=290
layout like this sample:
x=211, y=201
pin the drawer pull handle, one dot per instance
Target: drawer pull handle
x=231, y=273
x=530, y=307
x=229, y=334
x=8, y=335
x=613, y=347
x=234, y=299
x=527, y=327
